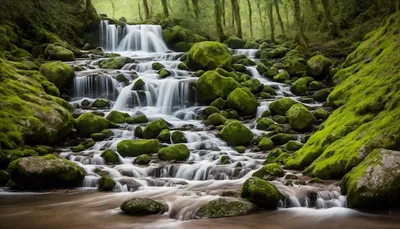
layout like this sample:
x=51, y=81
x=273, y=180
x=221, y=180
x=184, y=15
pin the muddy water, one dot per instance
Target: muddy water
x=91, y=209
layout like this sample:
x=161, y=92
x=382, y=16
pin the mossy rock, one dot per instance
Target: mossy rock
x=115, y=62
x=102, y=136
x=140, y=119
x=295, y=66
x=164, y=136
x=269, y=172
x=122, y=79
x=234, y=42
x=300, y=118
x=89, y=123
x=299, y=87
x=101, y=103
x=280, y=119
x=254, y=85
x=212, y=86
x=215, y=119
x=262, y=69
x=266, y=144
x=272, y=72
x=321, y=114
x=43, y=150
x=134, y=148
x=143, y=159
x=240, y=149
x=282, y=76
x=273, y=154
x=117, y=116
x=45, y=172
x=211, y=110
x=321, y=95
x=110, y=157
x=143, y=206
x=264, y=123
x=278, y=52
x=269, y=90
x=318, y=66
x=178, y=137
x=293, y=146
x=209, y=55
x=59, y=73
x=219, y=104
x=281, y=138
x=183, y=66
x=236, y=134
x=225, y=160
x=154, y=128
x=198, y=73
x=106, y=183
x=138, y=132
x=83, y=146
x=54, y=52
x=243, y=101
x=252, y=45
x=177, y=152
x=315, y=86
x=239, y=67
x=266, y=113
x=182, y=47
x=225, y=207
x=281, y=106
x=261, y=192
x=157, y=66
x=138, y=85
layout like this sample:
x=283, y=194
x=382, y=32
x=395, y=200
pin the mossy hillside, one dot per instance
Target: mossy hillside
x=209, y=55
x=29, y=115
x=367, y=95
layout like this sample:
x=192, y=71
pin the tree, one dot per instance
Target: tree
x=218, y=15
x=165, y=7
x=223, y=12
x=261, y=17
x=113, y=8
x=333, y=25
x=314, y=8
x=146, y=9
x=196, y=8
x=250, y=18
x=139, y=11
x=270, y=13
x=278, y=14
x=301, y=38
x=236, y=15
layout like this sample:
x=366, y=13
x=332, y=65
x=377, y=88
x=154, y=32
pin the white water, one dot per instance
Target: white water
x=185, y=186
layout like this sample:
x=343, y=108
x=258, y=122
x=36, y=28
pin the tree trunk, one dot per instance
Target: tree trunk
x=218, y=15
x=146, y=9
x=223, y=12
x=261, y=18
x=236, y=10
x=113, y=8
x=139, y=10
x=187, y=5
x=314, y=8
x=278, y=14
x=233, y=19
x=250, y=18
x=286, y=9
x=271, y=20
x=165, y=7
x=196, y=8
x=301, y=38
x=333, y=25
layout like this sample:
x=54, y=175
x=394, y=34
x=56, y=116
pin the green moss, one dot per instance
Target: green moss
x=266, y=144
x=163, y=73
x=164, y=136
x=254, y=85
x=134, y=148
x=269, y=172
x=117, y=116
x=102, y=136
x=225, y=207
x=209, y=55
x=272, y=72
x=299, y=87
x=101, y=103
x=282, y=77
x=143, y=206
x=269, y=90
x=240, y=149
x=281, y=106
x=215, y=120
x=58, y=73
x=54, y=52
x=178, y=137
x=236, y=134
x=315, y=86
x=252, y=45
x=182, y=47
x=138, y=132
x=211, y=110
x=264, y=123
x=83, y=146
x=243, y=101
x=261, y=192
x=293, y=146
x=89, y=123
x=262, y=69
x=239, y=67
x=321, y=113
x=140, y=119
x=115, y=62
x=154, y=128
x=300, y=118
x=177, y=152
x=321, y=95
x=43, y=150
x=110, y=156
x=219, y=104
x=318, y=65
x=234, y=42
x=212, y=85
x=281, y=138
x=106, y=183
x=280, y=119
x=157, y=66
x=199, y=73
x=143, y=159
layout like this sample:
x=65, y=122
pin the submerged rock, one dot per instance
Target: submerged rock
x=225, y=207
x=236, y=134
x=143, y=206
x=45, y=172
x=261, y=192
x=209, y=55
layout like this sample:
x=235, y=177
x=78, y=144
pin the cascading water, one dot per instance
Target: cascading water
x=174, y=99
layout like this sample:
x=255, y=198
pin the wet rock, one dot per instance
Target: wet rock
x=236, y=134
x=84, y=146
x=144, y=159
x=164, y=136
x=291, y=177
x=164, y=73
x=215, y=120
x=318, y=66
x=143, y=206
x=178, y=137
x=254, y=85
x=299, y=87
x=243, y=101
x=154, y=128
x=321, y=95
x=321, y=114
x=106, y=183
x=138, y=84
x=234, y=42
x=269, y=172
x=262, y=69
x=240, y=149
x=134, y=148
x=89, y=123
x=281, y=138
x=272, y=72
x=101, y=103
x=110, y=157
x=115, y=62
x=266, y=113
x=239, y=67
x=282, y=77
x=157, y=66
x=266, y=144
x=281, y=106
x=315, y=86
x=293, y=146
x=219, y=104
x=225, y=207
x=209, y=55
x=211, y=110
x=300, y=118
x=315, y=180
x=280, y=119
x=117, y=116
x=261, y=192
x=59, y=73
x=252, y=45
x=224, y=160
x=177, y=152
x=138, y=132
x=45, y=172
x=55, y=52
x=122, y=79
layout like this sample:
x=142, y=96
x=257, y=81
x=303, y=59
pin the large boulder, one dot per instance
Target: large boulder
x=209, y=55
x=59, y=73
x=318, y=66
x=261, y=192
x=90, y=123
x=215, y=120
x=300, y=118
x=299, y=87
x=264, y=123
x=134, y=148
x=143, y=206
x=212, y=86
x=225, y=207
x=45, y=172
x=54, y=52
x=177, y=152
x=117, y=116
x=254, y=85
x=375, y=182
x=242, y=100
x=281, y=106
x=110, y=157
x=266, y=144
x=234, y=42
x=154, y=128
x=178, y=137
x=106, y=183
x=236, y=134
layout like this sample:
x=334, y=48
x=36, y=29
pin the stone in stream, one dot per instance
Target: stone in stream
x=101, y=103
x=89, y=123
x=281, y=77
x=177, y=152
x=243, y=101
x=117, y=116
x=115, y=62
x=45, y=172
x=236, y=134
x=59, y=73
x=55, y=52
x=318, y=66
x=83, y=146
x=264, y=123
x=209, y=55
x=234, y=42
x=269, y=172
x=154, y=128
x=106, y=183
x=134, y=148
x=143, y=159
x=219, y=104
x=281, y=106
x=299, y=87
x=321, y=114
x=138, y=85
x=300, y=118
x=215, y=120
x=178, y=137
x=266, y=144
x=254, y=85
x=102, y=135
x=293, y=146
x=282, y=138
x=225, y=207
x=157, y=66
x=164, y=136
x=211, y=110
x=261, y=192
x=321, y=95
x=143, y=206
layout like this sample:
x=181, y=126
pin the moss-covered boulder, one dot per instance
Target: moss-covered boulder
x=300, y=118
x=215, y=120
x=84, y=146
x=110, y=157
x=265, y=144
x=59, y=73
x=262, y=69
x=143, y=159
x=243, y=101
x=225, y=207
x=138, y=132
x=154, y=128
x=134, y=148
x=115, y=62
x=252, y=45
x=45, y=172
x=143, y=206
x=177, y=152
x=272, y=72
x=219, y=104
x=234, y=42
x=212, y=86
x=157, y=66
x=209, y=55
x=321, y=114
x=178, y=137
x=106, y=183
x=164, y=136
x=254, y=85
x=138, y=85
x=318, y=66
x=101, y=104
x=103, y=135
x=281, y=106
x=281, y=138
x=236, y=134
x=269, y=172
x=239, y=67
x=292, y=146
x=282, y=76
x=54, y=52
x=164, y=73
x=315, y=86
x=375, y=182
x=299, y=87
x=140, y=119
x=264, y=123
x=321, y=95
x=117, y=116
x=90, y=123
x=261, y=192
x=211, y=110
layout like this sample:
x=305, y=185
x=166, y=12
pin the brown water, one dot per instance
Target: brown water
x=91, y=209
